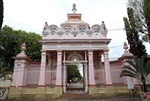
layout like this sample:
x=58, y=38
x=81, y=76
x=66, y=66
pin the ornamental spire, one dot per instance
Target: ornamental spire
x=74, y=8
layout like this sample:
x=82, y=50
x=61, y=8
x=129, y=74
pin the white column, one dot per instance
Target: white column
x=107, y=68
x=64, y=75
x=59, y=69
x=86, y=78
x=64, y=80
x=85, y=74
x=42, y=69
x=91, y=69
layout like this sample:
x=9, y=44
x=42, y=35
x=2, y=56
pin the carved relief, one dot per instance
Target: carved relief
x=3, y=93
x=53, y=29
x=96, y=29
x=82, y=29
x=74, y=56
x=67, y=29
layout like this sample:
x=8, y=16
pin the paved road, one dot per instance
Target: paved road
x=89, y=99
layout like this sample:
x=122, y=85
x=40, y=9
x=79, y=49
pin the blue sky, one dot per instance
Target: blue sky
x=30, y=15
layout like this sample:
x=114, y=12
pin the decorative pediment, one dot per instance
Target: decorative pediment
x=67, y=29
x=75, y=57
x=53, y=29
x=82, y=29
x=96, y=29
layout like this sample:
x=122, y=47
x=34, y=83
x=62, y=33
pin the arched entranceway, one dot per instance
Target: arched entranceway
x=75, y=60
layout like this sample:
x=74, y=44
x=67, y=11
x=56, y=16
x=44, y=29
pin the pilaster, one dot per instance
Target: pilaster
x=59, y=69
x=91, y=69
x=42, y=69
x=107, y=68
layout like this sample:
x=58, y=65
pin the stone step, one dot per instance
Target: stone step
x=75, y=96
x=87, y=97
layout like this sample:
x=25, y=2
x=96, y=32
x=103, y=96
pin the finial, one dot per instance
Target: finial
x=22, y=53
x=23, y=48
x=125, y=47
x=74, y=8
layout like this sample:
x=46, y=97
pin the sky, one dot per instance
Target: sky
x=31, y=15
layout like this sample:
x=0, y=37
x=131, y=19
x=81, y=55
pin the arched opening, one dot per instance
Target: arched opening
x=75, y=77
x=75, y=74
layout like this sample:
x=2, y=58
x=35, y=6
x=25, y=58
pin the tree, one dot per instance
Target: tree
x=11, y=41
x=147, y=15
x=138, y=69
x=1, y=13
x=136, y=46
x=141, y=10
x=73, y=72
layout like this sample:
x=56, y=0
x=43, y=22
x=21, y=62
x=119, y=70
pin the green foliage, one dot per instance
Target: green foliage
x=141, y=10
x=1, y=13
x=11, y=41
x=147, y=15
x=136, y=45
x=5, y=71
x=73, y=72
x=138, y=69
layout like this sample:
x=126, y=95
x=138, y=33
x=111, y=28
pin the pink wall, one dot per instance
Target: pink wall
x=115, y=72
x=100, y=76
x=32, y=76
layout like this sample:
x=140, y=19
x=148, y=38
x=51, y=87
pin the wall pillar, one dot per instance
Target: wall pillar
x=20, y=64
x=91, y=69
x=107, y=68
x=59, y=69
x=42, y=69
x=19, y=72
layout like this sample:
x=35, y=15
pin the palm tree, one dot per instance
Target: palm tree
x=139, y=69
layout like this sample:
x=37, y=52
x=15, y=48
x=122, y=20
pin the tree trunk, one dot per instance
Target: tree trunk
x=144, y=84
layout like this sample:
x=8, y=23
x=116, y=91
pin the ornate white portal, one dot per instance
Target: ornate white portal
x=75, y=59
x=73, y=42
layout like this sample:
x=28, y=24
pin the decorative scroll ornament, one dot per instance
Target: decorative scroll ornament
x=3, y=92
